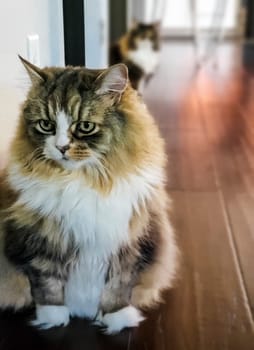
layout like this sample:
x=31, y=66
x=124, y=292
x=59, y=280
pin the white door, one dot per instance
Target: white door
x=96, y=33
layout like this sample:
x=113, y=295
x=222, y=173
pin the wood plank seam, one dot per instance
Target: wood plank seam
x=230, y=233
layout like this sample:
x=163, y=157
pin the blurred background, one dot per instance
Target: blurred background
x=201, y=96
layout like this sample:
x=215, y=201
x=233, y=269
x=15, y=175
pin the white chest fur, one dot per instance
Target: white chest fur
x=144, y=56
x=100, y=224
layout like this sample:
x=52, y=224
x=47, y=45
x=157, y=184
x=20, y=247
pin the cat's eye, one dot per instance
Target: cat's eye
x=86, y=128
x=45, y=126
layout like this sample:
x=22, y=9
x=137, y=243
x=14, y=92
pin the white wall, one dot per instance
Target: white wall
x=18, y=18
x=23, y=17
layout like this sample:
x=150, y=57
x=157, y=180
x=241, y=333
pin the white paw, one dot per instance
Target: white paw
x=48, y=316
x=114, y=322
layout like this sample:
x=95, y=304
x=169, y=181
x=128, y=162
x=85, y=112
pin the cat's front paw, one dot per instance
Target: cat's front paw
x=48, y=316
x=114, y=322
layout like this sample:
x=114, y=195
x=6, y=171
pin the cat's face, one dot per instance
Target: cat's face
x=144, y=33
x=71, y=115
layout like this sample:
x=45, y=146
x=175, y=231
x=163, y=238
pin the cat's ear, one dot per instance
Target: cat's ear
x=113, y=80
x=35, y=73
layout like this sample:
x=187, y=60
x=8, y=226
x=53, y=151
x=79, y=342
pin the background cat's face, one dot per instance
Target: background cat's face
x=143, y=33
x=71, y=115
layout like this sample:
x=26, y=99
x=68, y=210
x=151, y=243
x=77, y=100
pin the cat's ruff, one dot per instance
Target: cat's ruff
x=99, y=223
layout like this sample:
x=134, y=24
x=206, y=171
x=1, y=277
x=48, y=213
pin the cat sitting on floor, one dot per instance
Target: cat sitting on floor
x=139, y=50
x=83, y=210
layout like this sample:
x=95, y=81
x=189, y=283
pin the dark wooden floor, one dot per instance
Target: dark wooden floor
x=207, y=119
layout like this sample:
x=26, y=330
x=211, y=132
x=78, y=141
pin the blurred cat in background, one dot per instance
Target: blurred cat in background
x=139, y=50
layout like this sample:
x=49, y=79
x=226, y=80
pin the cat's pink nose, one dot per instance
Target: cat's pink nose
x=63, y=149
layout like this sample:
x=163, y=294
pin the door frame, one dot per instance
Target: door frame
x=74, y=32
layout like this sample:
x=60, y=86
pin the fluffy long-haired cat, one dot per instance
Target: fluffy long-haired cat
x=84, y=227
x=139, y=50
